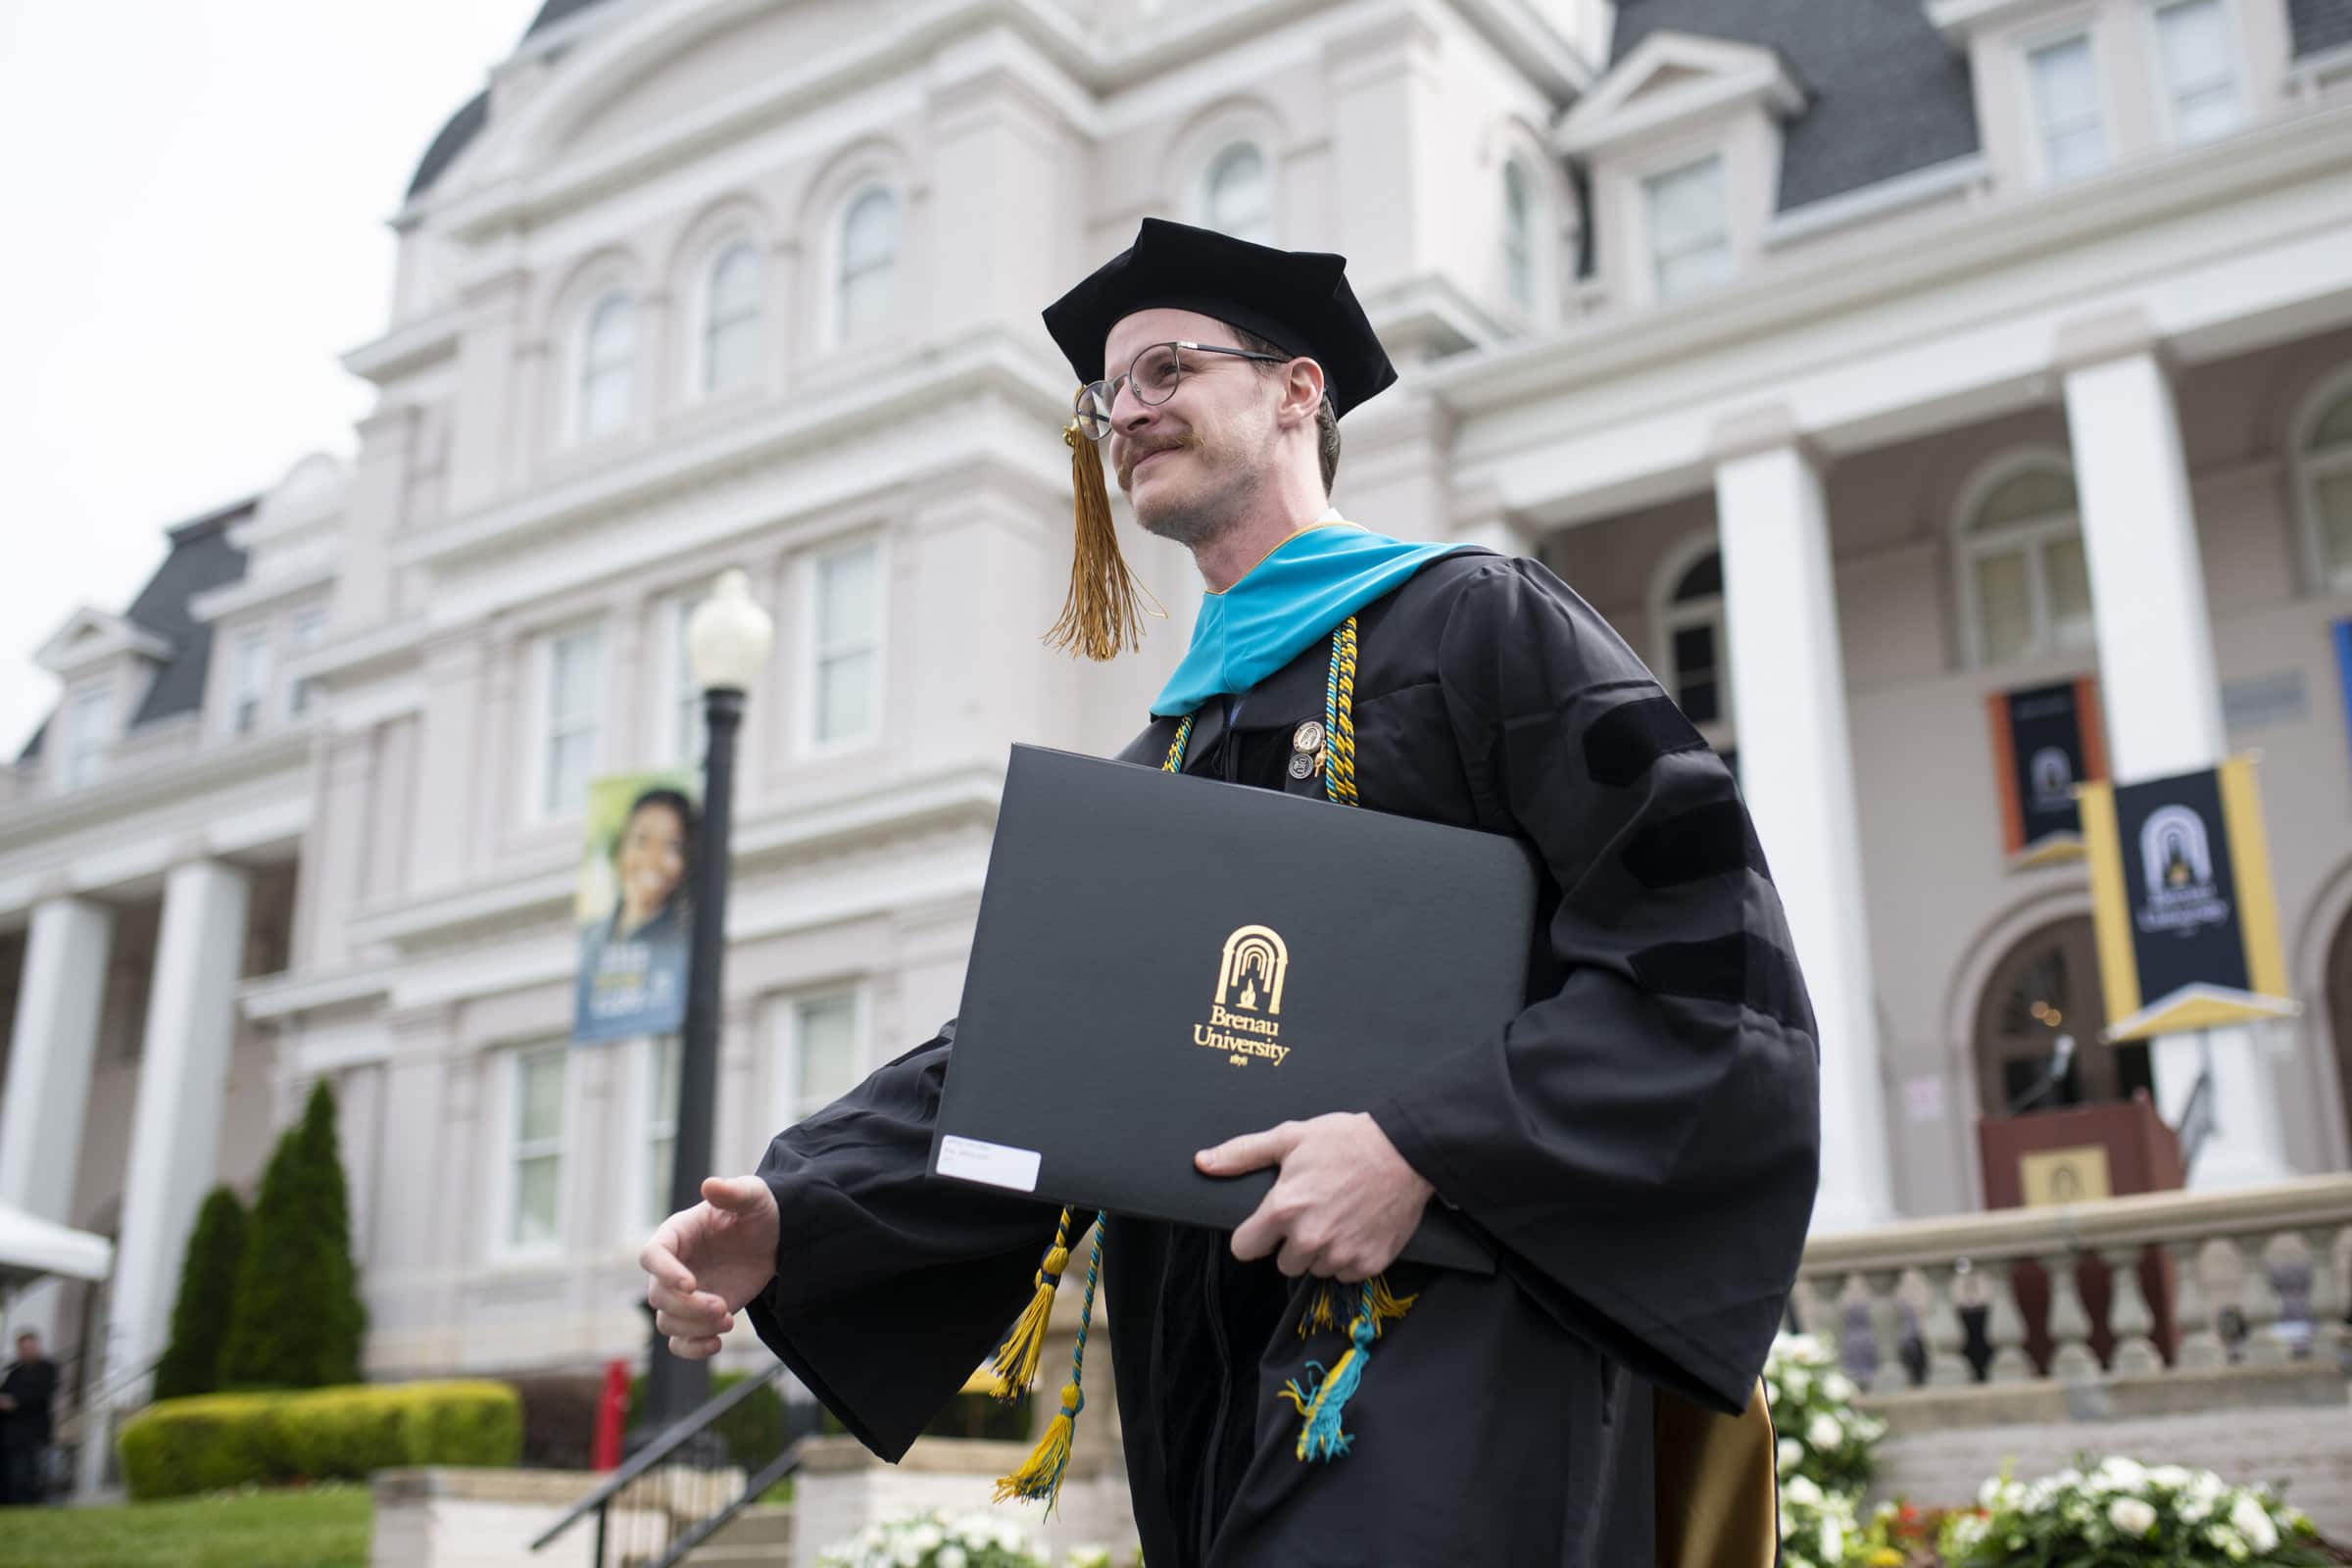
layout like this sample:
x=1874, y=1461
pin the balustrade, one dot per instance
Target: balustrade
x=2144, y=1285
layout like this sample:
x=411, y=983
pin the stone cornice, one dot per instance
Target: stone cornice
x=984, y=365
x=220, y=767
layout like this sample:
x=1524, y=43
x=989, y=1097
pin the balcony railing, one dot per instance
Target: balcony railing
x=2128, y=1287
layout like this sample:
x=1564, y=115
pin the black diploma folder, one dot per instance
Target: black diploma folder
x=1163, y=962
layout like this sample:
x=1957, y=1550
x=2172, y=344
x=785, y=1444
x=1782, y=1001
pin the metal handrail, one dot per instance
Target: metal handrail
x=679, y=1433
x=775, y=1470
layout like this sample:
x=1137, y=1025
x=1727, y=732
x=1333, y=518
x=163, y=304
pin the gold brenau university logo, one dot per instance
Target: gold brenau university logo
x=1241, y=1021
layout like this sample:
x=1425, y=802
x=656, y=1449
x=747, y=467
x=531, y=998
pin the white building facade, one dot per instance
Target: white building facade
x=1860, y=363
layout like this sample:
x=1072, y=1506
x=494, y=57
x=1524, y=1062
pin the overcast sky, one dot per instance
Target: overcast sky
x=195, y=195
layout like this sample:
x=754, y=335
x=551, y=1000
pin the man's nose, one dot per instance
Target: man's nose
x=1129, y=411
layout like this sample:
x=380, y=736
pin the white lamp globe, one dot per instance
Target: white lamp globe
x=728, y=635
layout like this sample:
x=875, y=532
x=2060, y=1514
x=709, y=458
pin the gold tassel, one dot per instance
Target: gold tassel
x=1103, y=616
x=1040, y=1475
x=1016, y=1359
x=1322, y=1314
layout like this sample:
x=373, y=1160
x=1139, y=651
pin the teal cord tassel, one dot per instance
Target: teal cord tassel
x=1322, y=1397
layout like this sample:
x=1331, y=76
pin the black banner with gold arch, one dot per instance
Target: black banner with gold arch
x=2182, y=898
x=2047, y=741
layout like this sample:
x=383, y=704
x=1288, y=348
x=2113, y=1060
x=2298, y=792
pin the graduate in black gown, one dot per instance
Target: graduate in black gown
x=1639, y=1145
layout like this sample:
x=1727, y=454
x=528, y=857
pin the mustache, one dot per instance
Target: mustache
x=1136, y=452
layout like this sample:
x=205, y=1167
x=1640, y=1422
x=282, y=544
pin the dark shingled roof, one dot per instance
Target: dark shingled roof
x=2321, y=25
x=1885, y=94
x=201, y=559
x=466, y=123
x=451, y=140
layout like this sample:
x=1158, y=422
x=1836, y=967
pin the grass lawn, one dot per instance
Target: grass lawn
x=321, y=1528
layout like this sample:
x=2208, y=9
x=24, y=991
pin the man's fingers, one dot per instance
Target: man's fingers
x=735, y=1193
x=1250, y=1151
x=693, y=1325
x=659, y=1262
x=698, y=1348
x=695, y=1304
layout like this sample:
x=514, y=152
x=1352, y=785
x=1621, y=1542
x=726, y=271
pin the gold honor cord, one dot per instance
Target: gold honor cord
x=1322, y=1396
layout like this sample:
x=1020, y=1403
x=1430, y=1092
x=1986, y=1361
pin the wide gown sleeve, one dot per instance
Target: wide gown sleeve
x=890, y=1286
x=1643, y=1139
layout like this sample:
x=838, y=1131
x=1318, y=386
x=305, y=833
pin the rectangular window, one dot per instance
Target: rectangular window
x=248, y=682
x=1690, y=228
x=535, y=1148
x=89, y=725
x=2072, y=130
x=821, y=1065
x=846, y=658
x=575, y=695
x=686, y=728
x=308, y=631
x=661, y=1124
x=2199, y=69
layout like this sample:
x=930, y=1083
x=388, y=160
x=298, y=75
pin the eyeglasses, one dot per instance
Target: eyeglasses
x=1152, y=376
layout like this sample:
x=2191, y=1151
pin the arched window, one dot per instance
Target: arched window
x=2021, y=568
x=868, y=286
x=2041, y=1005
x=731, y=318
x=1694, y=657
x=1518, y=238
x=2325, y=459
x=1237, y=196
x=608, y=367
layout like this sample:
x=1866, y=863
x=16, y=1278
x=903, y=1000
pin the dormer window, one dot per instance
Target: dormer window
x=1690, y=228
x=2070, y=126
x=2199, y=68
x=88, y=729
x=248, y=682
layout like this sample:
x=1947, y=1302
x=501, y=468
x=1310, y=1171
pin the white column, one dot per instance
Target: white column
x=2162, y=696
x=50, y=1052
x=1796, y=771
x=175, y=1128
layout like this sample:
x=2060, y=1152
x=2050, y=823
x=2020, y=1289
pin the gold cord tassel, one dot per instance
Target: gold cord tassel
x=1040, y=1475
x=1016, y=1359
x=1104, y=615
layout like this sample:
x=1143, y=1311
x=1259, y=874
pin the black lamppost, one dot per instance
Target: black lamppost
x=727, y=639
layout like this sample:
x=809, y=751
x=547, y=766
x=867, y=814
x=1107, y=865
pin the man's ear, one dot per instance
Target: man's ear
x=1302, y=391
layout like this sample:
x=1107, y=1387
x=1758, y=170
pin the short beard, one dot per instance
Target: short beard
x=1198, y=520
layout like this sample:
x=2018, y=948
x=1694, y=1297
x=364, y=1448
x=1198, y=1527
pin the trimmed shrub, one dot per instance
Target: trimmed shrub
x=207, y=1291
x=178, y=1446
x=298, y=1320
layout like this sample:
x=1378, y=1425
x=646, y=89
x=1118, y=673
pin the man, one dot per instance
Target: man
x=25, y=1392
x=1639, y=1144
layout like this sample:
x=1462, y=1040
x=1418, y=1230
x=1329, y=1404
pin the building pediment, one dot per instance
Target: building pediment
x=1674, y=79
x=91, y=637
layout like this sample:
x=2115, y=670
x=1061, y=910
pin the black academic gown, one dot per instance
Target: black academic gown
x=1641, y=1144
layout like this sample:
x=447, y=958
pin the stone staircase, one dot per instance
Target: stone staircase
x=756, y=1538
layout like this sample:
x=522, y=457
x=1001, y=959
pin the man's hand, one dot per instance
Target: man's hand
x=1345, y=1205
x=707, y=1262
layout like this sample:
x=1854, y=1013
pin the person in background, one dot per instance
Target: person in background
x=26, y=1391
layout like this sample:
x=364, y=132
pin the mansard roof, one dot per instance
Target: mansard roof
x=2321, y=25
x=459, y=131
x=1885, y=93
x=201, y=559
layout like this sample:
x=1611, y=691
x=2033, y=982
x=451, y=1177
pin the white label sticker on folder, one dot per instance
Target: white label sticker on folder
x=996, y=1164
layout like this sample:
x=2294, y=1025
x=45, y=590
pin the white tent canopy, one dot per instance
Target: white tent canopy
x=32, y=1248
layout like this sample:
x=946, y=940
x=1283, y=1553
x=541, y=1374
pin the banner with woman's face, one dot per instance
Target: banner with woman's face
x=631, y=910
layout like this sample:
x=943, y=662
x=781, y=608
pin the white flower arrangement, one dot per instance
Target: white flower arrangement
x=1819, y=1529
x=935, y=1540
x=1824, y=1437
x=2121, y=1513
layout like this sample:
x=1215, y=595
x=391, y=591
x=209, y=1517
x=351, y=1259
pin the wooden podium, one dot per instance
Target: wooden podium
x=2079, y=1156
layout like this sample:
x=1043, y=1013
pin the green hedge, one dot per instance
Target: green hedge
x=178, y=1446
